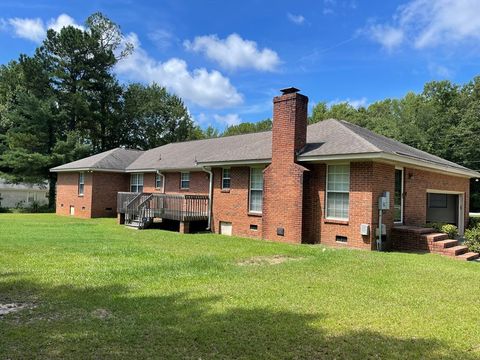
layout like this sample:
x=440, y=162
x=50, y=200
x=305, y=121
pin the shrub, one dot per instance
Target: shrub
x=473, y=222
x=450, y=230
x=472, y=239
x=436, y=226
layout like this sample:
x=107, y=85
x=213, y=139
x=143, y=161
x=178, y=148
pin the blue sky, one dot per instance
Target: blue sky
x=228, y=59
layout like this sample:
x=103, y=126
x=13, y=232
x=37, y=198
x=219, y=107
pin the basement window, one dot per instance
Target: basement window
x=253, y=227
x=341, y=239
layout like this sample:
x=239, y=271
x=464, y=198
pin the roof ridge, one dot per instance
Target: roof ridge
x=345, y=124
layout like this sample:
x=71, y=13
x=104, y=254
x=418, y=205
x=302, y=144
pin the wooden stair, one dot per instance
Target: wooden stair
x=427, y=239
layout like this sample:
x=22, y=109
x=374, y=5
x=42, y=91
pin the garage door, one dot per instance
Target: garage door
x=442, y=208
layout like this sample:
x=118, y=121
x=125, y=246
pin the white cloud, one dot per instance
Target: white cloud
x=296, y=19
x=427, y=23
x=228, y=119
x=209, y=89
x=35, y=29
x=440, y=70
x=30, y=29
x=162, y=38
x=388, y=36
x=356, y=103
x=235, y=52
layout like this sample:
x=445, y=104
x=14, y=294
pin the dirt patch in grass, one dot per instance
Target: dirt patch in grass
x=101, y=314
x=267, y=260
x=14, y=307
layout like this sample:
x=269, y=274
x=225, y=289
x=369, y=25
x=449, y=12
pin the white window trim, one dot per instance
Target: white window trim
x=343, y=192
x=162, y=176
x=182, y=180
x=81, y=175
x=250, y=192
x=401, y=197
x=137, y=183
x=229, y=178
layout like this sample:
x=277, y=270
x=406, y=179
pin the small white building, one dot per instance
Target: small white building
x=22, y=195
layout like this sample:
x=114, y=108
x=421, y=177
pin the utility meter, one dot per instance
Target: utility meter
x=384, y=201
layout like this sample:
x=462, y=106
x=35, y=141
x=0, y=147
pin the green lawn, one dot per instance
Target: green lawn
x=99, y=290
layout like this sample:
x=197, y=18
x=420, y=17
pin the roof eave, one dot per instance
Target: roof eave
x=393, y=158
x=234, y=162
x=86, y=169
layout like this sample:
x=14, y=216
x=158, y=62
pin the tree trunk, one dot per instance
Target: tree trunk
x=52, y=182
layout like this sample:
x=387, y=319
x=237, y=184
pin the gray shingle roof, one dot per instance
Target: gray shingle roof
x=115, y=159
x=326, y=138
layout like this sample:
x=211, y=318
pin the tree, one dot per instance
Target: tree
x=248, y=127
x=155, y=117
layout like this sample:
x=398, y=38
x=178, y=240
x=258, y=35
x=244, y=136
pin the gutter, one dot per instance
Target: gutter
x=208, y=170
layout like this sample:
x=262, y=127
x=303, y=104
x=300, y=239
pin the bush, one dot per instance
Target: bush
x=473, y=222
x=450, y=230
x=472, y=239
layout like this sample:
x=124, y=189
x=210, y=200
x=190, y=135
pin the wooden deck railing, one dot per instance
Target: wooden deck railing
x=181, y=207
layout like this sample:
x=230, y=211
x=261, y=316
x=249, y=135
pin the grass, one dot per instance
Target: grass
x=99, y=290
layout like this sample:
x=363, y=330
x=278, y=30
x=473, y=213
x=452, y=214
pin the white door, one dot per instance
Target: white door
x=72, y=210
x=226, y=228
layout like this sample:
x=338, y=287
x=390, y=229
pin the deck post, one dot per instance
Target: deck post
x=120, y=218
x=184, y=227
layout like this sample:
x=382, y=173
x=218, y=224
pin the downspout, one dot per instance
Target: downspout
x=163, y=182
x=208, y=169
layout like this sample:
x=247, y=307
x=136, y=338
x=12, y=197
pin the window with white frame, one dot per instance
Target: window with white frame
x=81, y=183
x=185, y=180
x=136, y=183
x=226, y=179
x=159, y=181
x=256, y=190
x=338, y=191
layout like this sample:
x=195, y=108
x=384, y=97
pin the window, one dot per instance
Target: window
x=341, y=239
x=338, y=187
x=159, y=181
x=136, y=183
x=81, y=183
x=256, y=190
x=225, y=179
x=398, y=197
x=184, y=180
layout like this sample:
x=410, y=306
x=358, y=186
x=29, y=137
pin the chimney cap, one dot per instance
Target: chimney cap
x=289, y=90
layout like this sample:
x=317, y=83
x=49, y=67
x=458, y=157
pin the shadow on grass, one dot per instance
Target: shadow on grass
x=111, y=322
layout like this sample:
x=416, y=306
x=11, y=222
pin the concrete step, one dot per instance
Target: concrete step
x=433, y=237
x=443, y=244
x=469, y=256
x=456, y=250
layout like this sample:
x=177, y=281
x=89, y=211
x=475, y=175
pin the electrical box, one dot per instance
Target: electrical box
x=384, y=201
x=364, y=229
x=384, y=230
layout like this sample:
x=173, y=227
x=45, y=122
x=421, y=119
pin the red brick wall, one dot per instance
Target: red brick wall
x=67, y=195
x=100, y=193
x=105, y=189
x=416, y=184
x=318, y=229
x=232, y=205
x=198, y=183
x=283, y=178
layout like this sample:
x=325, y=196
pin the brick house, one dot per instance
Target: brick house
x=319, y=183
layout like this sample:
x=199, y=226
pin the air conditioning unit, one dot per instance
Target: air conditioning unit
x=364, y=229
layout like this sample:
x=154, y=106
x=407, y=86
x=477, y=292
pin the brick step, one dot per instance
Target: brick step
x=455, y=250
x=443, y=244
x=469, y=256
x=434, y=237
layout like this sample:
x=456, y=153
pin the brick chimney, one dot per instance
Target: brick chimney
x=289, y=133
x=283, y=178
